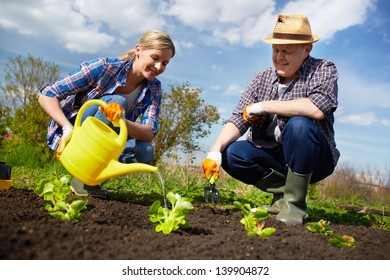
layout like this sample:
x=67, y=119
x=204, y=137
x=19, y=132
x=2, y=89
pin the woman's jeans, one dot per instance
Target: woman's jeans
x=135, y=150
x=304, y=150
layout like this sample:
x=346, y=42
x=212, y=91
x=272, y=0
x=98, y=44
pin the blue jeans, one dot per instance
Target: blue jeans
x=304, y=150
x=135, y=150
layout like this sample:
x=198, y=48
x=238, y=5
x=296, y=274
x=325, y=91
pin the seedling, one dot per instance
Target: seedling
x=252, y=220
x=61, y=206
x=336, y=240
x=345, y=241
x=170, y=219
x=321, y=227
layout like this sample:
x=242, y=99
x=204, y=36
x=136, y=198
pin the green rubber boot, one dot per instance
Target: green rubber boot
x=273, y=183
x=276, y=204
x=293, y=204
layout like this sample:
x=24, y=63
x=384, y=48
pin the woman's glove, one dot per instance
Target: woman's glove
x=211, y=165
x=253, y=112
x=67, y=131
x=113, y=112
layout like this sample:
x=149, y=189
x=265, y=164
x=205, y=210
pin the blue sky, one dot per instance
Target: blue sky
x=220, y=49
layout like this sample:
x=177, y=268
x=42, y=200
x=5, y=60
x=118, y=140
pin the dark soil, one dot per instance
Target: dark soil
x=117, y=230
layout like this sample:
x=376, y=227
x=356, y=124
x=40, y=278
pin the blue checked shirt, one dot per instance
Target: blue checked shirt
x=96, y=78
x=317, y=80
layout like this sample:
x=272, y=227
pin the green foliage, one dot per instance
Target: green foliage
x=30, y=126
x=4, y=118
x=328, y=210
x=20, y=112
x=321, y=227
x=312, y=192
x=23, y=78
x=189, y=182
x=23, y=154
x=252, y=218
x=170, y=220
x=61, y=206
x=184, y=118
x=345, y=241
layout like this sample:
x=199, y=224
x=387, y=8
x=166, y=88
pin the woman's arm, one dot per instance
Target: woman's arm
x=51, y=106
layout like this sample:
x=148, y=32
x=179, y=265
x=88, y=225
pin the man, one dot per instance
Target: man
x=288, y=109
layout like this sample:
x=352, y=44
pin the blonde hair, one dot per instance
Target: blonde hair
x=153, y=39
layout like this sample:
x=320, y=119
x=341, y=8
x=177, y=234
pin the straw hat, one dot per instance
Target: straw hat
x=292, y=29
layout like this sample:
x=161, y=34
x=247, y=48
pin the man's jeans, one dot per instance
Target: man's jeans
x=304, y=150
x=135, y=150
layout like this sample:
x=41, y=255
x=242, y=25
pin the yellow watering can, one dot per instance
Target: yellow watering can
x=92, y=152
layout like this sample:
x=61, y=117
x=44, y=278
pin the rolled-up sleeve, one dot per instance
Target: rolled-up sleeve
x=323, y=87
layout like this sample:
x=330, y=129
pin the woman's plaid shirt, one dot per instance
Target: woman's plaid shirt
x=96, y=78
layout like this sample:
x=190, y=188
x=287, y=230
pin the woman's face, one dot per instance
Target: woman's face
x=152, y=62
x=288, y=59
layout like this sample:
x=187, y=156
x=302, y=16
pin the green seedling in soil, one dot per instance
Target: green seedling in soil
x=252, y=220
x=345, y=241
x=336, y=240
x=170, y=219
x=61, y=206
x=321, y=227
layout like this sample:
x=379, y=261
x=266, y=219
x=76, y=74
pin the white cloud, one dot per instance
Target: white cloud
x=359, y=119
x=92, y=25
x=329, y=16
x=385, y=122
x=196, y=14
x=233, y=90
x=126, y=18
x=222, y=110
x=217, y=87
x=57, y=20
x=357, y=93
x=247, y=22
x=182, y=45
x=385, y=104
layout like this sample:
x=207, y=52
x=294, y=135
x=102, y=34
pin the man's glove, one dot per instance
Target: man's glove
x=113, y=112
x=211, y=165
x=66, y=135
x=253, y=112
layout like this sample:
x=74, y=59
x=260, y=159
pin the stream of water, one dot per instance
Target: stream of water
x=163, y=189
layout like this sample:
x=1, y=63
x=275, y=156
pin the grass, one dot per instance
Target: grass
x=144, y=187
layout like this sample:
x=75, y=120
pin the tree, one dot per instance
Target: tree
x=30, y=126
x=23, y=78
x=20, y=110
x=184, y=118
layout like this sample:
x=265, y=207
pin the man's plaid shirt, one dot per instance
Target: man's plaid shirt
x=317, y=80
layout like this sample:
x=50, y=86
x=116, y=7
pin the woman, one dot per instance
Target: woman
x=129, y=81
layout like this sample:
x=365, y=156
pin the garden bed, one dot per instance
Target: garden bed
x=121, y=230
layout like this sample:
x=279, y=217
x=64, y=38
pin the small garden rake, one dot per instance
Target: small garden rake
x=212, y=191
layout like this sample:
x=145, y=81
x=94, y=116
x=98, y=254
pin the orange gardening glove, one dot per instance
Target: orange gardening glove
x=113, y=112
x=211, y=165
x=253, y=112
x=67, y=131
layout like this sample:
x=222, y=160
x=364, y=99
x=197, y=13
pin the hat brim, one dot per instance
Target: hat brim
x=274, y=41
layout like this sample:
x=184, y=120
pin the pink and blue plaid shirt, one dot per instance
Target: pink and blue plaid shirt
x=92, y=80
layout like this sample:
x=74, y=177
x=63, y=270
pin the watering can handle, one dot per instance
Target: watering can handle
x=122, y=124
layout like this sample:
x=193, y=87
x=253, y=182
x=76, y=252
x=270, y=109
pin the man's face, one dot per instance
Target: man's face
x=287, y=59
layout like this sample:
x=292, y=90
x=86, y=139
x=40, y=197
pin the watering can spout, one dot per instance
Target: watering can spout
x=116, y=168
